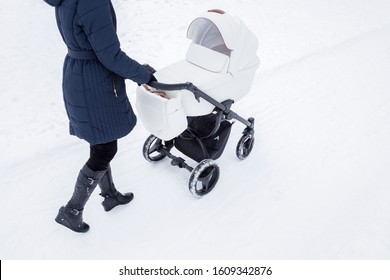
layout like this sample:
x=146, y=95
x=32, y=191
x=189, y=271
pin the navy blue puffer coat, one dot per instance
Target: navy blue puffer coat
x=94, y=70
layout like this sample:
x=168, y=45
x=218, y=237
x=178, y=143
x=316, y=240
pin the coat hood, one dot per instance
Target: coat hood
x=53, y=3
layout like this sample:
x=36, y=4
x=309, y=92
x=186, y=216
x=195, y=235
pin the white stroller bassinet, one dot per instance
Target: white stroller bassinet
x=221, y=61
x=189, y=107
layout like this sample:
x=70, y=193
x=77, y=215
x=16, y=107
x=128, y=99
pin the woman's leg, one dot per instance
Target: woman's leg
x=101, y=155
x=100, y=158
x=89, y=177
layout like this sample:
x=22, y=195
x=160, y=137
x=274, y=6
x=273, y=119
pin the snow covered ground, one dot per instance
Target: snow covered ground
x=316, y=185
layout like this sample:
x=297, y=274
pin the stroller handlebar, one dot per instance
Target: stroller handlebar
x=169, y=87
x=198, y=94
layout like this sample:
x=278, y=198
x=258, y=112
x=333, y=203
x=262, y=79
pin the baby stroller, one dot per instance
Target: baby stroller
x=196, y=117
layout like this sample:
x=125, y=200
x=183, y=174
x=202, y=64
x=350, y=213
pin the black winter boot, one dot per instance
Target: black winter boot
x=71, y=215
x=112, y=197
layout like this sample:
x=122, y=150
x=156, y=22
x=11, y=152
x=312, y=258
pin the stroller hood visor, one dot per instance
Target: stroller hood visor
x=204, y=32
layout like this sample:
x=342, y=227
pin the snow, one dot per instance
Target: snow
x=316, y=185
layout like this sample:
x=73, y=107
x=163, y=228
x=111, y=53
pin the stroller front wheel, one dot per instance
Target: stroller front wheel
x=245, y=146
x=203, y=177
x=151, y=149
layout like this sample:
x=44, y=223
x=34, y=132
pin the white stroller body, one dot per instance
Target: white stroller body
x=221, y=61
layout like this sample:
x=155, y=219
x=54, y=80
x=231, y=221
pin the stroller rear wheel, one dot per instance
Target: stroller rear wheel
x=203, y=178
x=152, y=148
x=245, y=146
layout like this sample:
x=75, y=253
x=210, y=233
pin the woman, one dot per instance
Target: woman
x=95, y=98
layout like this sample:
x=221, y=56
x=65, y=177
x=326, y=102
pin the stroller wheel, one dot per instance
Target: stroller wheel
x=203, y=178
x=245, y=146
x=151, y=149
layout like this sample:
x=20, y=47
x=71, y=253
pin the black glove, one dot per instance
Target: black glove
x=149, y=68
x=152, y=79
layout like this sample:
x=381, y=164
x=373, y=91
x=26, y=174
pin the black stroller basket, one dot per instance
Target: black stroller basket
x=204, y=140
x=205, y=137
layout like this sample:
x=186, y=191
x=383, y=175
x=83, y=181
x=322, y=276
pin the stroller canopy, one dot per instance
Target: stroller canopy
x=225, y=34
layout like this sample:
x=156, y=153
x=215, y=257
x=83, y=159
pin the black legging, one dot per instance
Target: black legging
x=101, y=155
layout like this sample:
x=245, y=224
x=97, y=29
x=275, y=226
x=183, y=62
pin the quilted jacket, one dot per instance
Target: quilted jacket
x=94, y=71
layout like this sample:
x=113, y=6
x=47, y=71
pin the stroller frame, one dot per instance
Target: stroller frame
x=205, y=175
